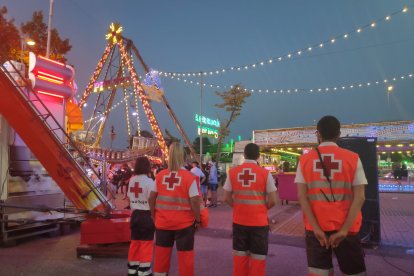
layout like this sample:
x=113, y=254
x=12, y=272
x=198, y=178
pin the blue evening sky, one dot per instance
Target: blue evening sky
x=192, y=36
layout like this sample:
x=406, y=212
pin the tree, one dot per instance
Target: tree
x=206, y=143
x=233, y=101
x=36, y=29
x=9, y=37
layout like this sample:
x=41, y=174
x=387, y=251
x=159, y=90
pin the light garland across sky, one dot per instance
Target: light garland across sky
x=334, y=88
x=292, y=54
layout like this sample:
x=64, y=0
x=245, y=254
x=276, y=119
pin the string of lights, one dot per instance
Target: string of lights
x=294, y=53
x=112, y=108
x=387, y=82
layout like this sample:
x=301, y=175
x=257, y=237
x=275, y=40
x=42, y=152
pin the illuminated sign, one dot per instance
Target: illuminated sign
x=207, y=121
x=208, y=131
x=387, y=131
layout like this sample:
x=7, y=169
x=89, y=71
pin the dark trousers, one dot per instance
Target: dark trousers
x=349, y=254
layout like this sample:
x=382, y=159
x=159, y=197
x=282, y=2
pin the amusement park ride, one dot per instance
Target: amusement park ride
x=43, y=115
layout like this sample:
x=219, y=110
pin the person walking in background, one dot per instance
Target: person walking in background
x=251, y=191
x=331, y=186
x=175, y=205
x=213, y=182
x=204, y=186
x=142, y=224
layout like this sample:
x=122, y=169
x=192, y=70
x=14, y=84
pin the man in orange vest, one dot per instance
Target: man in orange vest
x=251, y=191
x=331, y=186
x=175, y=204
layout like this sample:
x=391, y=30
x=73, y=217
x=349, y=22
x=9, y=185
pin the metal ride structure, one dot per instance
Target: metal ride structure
x=116, y=71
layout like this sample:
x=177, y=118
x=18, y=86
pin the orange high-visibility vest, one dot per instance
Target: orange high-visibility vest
x=341, y=165
x=172, y=206
x=249, y=190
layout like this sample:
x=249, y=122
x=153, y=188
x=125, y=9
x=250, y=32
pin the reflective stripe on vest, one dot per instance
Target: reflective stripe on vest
x=171, y=207
x=249, y=201
x=174, y=199
x=258, y=257
x=325, y=184
x=248, y=192
x=321, y=197
x=240, y=253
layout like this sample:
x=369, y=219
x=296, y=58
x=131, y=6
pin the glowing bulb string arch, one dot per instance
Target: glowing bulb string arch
x=334, y=88
x=294, y=54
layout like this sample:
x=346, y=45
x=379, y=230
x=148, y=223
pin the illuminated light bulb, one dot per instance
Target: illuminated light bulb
x=267, y=90
x=311, y=90
x=388, y=18
x=231, y=68
x=185, y=80
x=205, y=73
x=299, y=52
x=246, y=67
x=351, y=86
x=319, y=89
x=368, y=83
x=289, y=55
x=390, y=88
x=394, y=79
x=321, y=45
x=191, y=81
x=261, y=63
x=410, y=75
x=279, y=58
x=260, y=90
x=402, y=77
x=360, y=85
x=270, y=60
x=274, y=91
x=345, y=35
x=224, y=70
x=373, y=24
x=327, y=89
x=309, y=49
x=199, y=74
x=238, y=69
x=296, y=90
x=333, y=40
x=85, y=105
x=211, y=73
x=377, y=82
x=288, y=91
x=335, y=88
x=359, y=30
x=405, y=9
x=252, y=90
x=254, y=65
x=217, y=72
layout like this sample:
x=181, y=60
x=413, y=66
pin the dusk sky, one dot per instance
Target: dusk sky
x=193, y=36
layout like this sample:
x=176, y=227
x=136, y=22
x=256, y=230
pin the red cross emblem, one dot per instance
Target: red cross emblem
x=171, y=180
x=246, y=177
x=136, y=189
x=332, y=166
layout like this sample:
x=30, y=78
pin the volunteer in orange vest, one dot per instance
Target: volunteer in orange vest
x=251, y=191
x=142, y=224
x=175, y=204
x=331, y=186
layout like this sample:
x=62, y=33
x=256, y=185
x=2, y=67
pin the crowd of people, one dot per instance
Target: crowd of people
x=170, y=204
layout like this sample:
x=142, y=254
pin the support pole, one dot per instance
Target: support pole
x=201, y=121
x=49, y=29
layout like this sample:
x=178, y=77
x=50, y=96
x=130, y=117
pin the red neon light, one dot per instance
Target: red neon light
x=50, y=75
x=49, y=94
x=49, y=79
x=54, y=61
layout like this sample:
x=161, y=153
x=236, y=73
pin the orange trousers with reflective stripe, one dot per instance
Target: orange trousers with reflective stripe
x=162, y=261
x=247, y=266
x=140, y=251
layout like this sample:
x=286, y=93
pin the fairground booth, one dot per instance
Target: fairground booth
x=395, y=145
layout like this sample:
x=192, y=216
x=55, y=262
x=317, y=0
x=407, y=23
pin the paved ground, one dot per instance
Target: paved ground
x=57, y=256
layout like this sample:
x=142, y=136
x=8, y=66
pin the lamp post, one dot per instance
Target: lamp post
x=25, y=41
x=201, y=121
